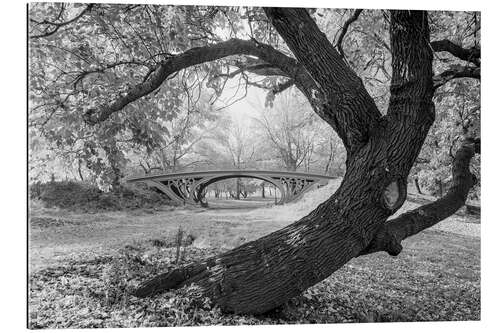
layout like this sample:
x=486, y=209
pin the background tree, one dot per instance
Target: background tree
x=230, y=146
x=332, y=152
x=181, y=135
x=288, y=127
x=78, y=51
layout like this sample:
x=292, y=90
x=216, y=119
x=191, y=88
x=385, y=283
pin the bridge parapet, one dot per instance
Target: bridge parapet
x=188, y=187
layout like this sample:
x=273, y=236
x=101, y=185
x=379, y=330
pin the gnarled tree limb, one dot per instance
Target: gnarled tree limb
x=199, y=55
x=391, y=234
x=456, y=72
x=472, y=54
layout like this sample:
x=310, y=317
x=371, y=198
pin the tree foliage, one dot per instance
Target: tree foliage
x=83, y=55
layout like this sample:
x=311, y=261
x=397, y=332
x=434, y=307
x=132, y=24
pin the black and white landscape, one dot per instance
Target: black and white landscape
x=210, y=165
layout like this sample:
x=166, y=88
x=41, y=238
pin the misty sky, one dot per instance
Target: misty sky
x=242, y=112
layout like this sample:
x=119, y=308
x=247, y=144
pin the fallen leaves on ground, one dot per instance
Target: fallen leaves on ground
x=427, y=282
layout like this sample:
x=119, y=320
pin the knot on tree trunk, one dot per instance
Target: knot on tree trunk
x=394, y=195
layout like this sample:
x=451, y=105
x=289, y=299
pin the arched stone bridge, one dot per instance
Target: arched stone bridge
x=188, y=187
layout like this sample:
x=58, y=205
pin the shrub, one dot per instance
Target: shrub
x=88, y=197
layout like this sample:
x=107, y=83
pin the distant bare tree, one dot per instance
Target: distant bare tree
x=229, y=146
x=183, y=133
x=288, y=128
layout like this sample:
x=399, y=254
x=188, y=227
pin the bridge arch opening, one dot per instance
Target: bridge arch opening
x=206, y=187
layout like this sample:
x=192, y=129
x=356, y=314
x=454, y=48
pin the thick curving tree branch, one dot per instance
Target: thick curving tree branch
x=390, y=235
x=472, y=54
x=349, y=108
x=199, y=55
x=456, y=72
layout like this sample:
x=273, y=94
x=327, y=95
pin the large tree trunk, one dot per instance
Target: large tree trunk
x=264, y=273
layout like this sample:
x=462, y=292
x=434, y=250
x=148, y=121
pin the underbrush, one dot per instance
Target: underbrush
x=419, y=285
x=88, y=198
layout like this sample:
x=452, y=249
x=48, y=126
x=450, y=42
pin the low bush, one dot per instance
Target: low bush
x=87, y=197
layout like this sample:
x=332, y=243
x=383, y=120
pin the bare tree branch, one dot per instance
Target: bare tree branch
x=343, y=32
x=58, y=25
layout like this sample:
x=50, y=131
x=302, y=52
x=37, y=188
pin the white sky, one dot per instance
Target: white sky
x=242, y=111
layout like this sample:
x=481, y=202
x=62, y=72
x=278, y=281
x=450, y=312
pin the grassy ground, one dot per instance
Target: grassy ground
x=84, y=265
x=56, y=233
